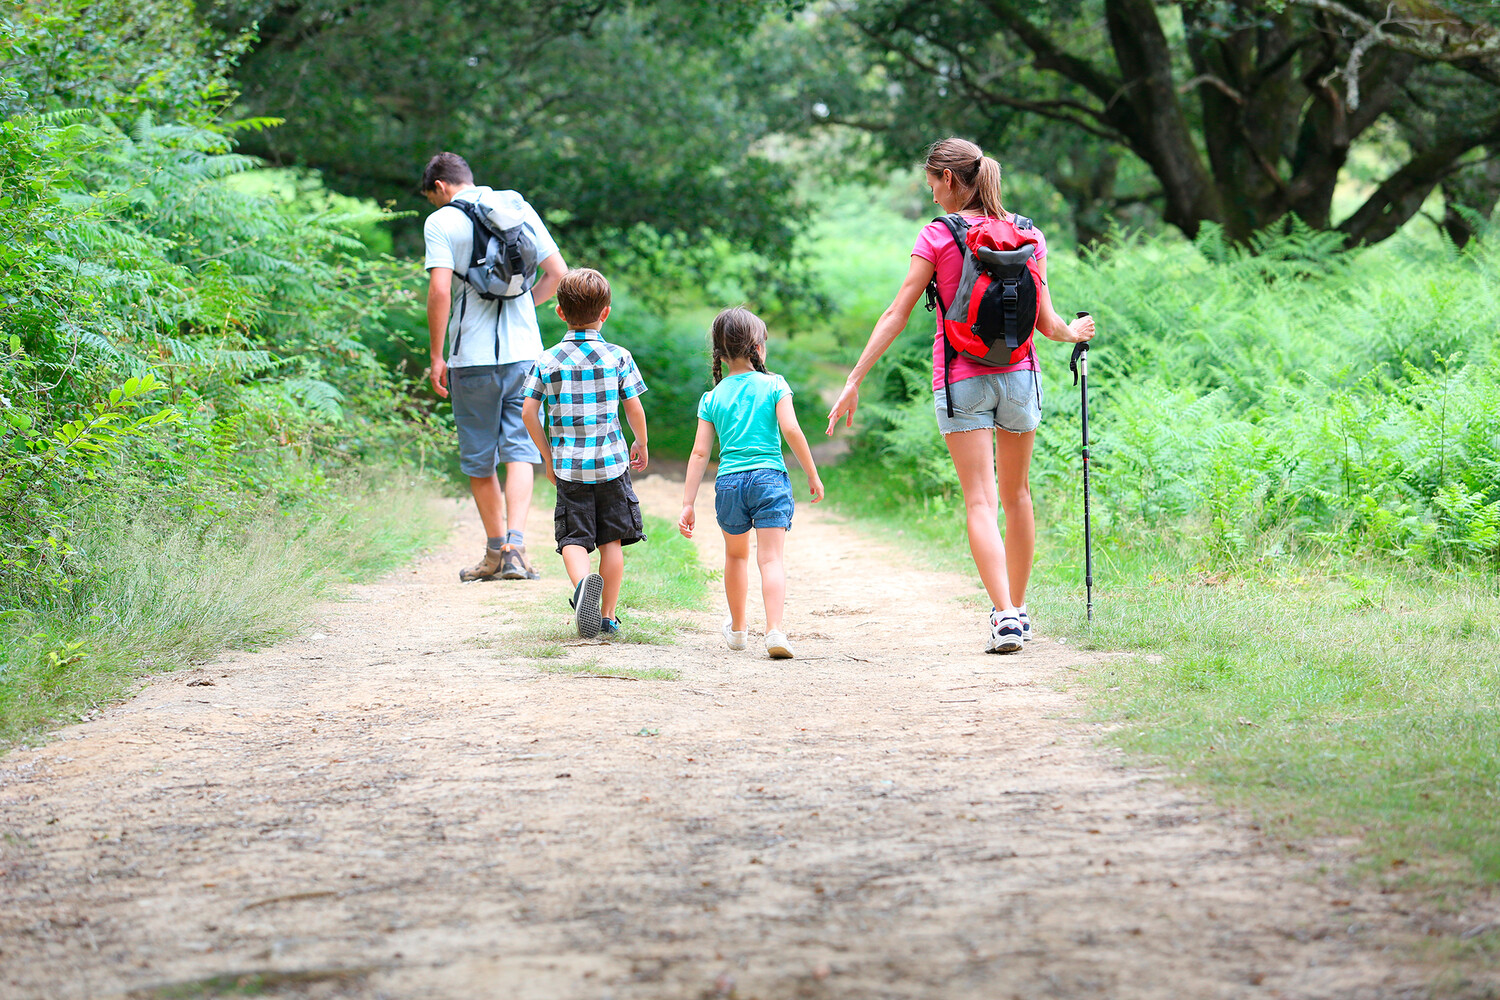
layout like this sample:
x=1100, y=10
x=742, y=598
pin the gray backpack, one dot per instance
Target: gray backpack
x=502, y=263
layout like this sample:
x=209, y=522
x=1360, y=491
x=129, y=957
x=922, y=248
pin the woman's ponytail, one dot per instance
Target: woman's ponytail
x=986, y=195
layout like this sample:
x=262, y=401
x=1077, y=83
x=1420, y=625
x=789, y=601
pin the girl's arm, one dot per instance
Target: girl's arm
x=787, y=418
x=1050, y=324
x=697, y=465
x=887, y=329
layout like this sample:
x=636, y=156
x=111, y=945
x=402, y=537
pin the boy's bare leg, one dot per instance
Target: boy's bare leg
x=518, y=481
x=736, y=577
x=576, y=562
x=770, y=545
x=491, y=504
x=612, y=568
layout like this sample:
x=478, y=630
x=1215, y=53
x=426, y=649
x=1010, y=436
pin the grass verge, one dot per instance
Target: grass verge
x=1324, y=697
x=169, y=593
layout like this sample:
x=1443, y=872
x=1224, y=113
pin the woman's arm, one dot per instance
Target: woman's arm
x=697, y=465
x=786, y=418
x=887, y=329
x=1050, y=324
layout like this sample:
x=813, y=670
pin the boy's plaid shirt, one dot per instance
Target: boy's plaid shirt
x=582, y=381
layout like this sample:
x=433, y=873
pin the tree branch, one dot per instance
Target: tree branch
x=1474, y=48
x=1050, y=56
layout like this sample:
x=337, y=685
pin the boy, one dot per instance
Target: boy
x=586, y=381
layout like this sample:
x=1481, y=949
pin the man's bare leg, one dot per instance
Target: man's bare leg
x=518, y=481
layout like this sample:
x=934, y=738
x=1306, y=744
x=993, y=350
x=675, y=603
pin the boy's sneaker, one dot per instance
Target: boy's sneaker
x=1025, y=623
x=1005, y=632
x=513, y=564
x=485, y=569
x=586, y=610
x=732, y=639
x=777, y=647
x=609, y=628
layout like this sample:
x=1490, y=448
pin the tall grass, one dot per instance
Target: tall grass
x=169, y=591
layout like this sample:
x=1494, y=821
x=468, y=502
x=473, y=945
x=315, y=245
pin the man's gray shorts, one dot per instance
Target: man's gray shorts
x=487, y=409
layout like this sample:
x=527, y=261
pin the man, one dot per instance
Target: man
x=492, y=345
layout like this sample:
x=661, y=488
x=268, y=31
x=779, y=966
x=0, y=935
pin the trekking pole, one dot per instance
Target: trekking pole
x=1079, y=366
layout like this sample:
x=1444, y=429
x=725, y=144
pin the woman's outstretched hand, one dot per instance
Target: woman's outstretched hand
x=847, y=403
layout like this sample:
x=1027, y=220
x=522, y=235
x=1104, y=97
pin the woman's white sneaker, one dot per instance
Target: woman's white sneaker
x=777, y=646
x=1005, y=632
x=1025, y=623
x=732, y=639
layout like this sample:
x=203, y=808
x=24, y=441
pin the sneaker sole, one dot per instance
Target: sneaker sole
x=589, y=615
x=779, y=653
x=1008, y=645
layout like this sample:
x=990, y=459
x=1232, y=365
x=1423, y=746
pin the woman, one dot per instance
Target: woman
x=995, y=410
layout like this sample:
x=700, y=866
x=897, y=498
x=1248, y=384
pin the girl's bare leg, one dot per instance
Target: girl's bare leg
x=770, y=546
x=974, y=460
x=1012, y=465
x=736, y=577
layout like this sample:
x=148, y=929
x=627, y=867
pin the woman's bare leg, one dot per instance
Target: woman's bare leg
x=1012, y=467
x=974, y=460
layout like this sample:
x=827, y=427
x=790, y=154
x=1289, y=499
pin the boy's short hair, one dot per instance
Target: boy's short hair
x=582, y=295
x=447, y=167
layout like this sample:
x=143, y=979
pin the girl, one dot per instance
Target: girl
x=995, y=410
x=750, y=410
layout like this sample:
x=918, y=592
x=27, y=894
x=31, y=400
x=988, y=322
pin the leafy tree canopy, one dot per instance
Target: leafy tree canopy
x=1236, y=112
x=625, y=123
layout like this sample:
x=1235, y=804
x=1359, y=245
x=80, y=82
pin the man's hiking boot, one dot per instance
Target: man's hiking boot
x=586, y=610
x=1005, y=632
x=485, y=569
x=513, y=564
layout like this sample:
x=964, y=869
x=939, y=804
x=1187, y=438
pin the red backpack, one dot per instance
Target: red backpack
x=994, y=312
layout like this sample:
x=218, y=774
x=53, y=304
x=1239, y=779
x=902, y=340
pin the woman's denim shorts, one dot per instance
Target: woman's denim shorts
x=755, y=498
x=1011, y=401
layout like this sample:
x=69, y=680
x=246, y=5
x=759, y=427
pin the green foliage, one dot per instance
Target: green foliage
x=631, y=126
x=181, y=355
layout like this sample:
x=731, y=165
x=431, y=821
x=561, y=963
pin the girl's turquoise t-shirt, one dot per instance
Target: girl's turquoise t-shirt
x=742, y=409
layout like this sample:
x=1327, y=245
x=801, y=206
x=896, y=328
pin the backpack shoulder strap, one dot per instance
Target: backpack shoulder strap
x=958, y=227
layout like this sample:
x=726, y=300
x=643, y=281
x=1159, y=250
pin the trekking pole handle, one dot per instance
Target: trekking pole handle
x=1080, y=351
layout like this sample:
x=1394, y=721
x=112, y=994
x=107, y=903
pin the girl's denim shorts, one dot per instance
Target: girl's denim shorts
x=1011, y=401
x=755, y=498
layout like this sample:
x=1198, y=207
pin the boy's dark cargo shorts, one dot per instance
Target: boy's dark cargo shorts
x=594, y=514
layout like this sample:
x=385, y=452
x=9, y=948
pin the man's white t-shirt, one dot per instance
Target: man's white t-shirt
x=450, y=243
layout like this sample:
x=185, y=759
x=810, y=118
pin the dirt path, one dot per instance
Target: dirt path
x=388, y=809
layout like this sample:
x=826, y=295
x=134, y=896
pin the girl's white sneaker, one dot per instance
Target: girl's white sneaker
x=733, y=639
x=777, y=647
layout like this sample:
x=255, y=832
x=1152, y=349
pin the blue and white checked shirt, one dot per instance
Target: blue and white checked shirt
x=582, y=381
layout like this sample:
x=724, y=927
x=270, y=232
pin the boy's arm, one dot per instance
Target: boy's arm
x=787, y=418
x=531, y=416
x=697, y=465
x=635, y=415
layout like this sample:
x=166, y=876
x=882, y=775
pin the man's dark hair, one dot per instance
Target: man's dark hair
x=448, y=167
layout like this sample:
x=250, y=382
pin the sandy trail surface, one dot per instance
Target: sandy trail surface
x=396, y=806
